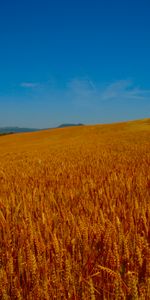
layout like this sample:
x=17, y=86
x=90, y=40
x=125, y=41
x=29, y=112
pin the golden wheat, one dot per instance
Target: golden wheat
x=75, y=213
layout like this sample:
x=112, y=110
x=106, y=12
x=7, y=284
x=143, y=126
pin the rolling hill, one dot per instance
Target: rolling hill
x=75, y=213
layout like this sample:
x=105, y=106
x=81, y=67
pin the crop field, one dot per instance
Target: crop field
x=75, y=213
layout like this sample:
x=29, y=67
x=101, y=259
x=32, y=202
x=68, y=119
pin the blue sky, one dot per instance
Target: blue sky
x=74, y=61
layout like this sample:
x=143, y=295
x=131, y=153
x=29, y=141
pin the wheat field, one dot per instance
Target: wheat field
x=75, y=213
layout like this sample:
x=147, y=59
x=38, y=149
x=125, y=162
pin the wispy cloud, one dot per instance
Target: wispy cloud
x=86, y=92
x=29, y=84
x=82, y=92
x=124, y=90
x=77, y=100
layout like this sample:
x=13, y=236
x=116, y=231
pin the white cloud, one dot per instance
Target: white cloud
x=85, y=93
x=124, y=90
x=78, y=100
x=29, y=84
x=81, y=92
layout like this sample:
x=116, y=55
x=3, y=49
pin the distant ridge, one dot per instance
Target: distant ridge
x=69, y=125
x=10, y=130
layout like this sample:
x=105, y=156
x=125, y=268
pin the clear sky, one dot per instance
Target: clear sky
x=74, y=61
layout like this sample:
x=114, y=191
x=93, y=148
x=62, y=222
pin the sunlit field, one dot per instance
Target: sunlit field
x=75, y=213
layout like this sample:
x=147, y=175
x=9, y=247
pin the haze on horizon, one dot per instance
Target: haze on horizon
x=74, y=62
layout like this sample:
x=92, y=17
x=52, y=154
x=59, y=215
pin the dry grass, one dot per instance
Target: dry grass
x=75, y=213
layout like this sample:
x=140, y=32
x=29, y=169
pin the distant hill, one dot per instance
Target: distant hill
x=69, y=125
x=5, y=133
x=10, y=130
